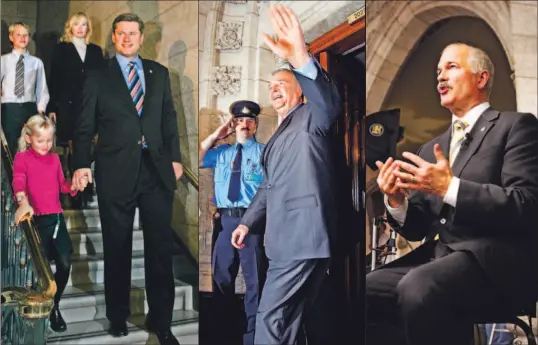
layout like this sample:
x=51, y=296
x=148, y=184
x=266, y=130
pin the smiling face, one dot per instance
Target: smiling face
x=245, y=127
x=127, y=39
x=41, y=140
x=459, y=86
x=20, y=37
x=79, y=27
x=284, y=92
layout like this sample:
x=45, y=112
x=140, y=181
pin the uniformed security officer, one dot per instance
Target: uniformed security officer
x=237, y=176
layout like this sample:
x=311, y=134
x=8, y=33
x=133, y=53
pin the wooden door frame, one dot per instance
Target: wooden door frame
x=338, y=41
x=335, y=40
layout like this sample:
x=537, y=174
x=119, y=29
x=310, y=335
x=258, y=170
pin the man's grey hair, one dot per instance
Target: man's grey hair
x=281, y=69
x=479, y=61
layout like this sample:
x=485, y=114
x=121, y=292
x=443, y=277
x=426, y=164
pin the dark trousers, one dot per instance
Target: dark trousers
x=117, y=217
x=58, y=249
x=418, y=300
x=14, y=116
x=289, y=292
x=226, y=260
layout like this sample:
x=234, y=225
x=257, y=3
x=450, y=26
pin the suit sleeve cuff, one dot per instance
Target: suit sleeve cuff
x=309, y=70
x=399, y=213
x=451, y=196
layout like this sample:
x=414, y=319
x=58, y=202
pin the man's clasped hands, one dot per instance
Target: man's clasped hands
x=397, y=177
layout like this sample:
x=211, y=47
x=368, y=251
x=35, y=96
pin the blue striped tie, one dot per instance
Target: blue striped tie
x=137, y=94
x=135, y=88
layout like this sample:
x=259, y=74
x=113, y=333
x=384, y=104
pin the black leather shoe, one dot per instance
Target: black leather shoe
x=118, y=329
x=166, y=337
x=57, y=322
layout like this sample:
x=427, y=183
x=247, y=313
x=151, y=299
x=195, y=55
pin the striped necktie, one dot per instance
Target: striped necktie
x=458, y=134
x=135, y=88
x=19, y=77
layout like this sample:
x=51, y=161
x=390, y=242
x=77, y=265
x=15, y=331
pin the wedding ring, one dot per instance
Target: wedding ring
x=413, y=180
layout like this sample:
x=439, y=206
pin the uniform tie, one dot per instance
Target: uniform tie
x=235, y=181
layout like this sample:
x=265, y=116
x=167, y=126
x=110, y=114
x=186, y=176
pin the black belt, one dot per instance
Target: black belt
x=233, y=212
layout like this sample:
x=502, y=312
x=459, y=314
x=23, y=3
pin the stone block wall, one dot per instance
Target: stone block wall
x=16, y=11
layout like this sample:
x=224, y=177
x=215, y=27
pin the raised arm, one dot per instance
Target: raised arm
x=321, y=93
x=323, y=98
x=206, y=155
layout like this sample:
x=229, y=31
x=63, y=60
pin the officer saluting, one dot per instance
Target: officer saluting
x=238, y=174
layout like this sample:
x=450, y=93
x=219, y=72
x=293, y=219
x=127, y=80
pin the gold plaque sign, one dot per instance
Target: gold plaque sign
x=357, y=15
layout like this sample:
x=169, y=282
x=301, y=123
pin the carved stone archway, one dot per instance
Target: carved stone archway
x=394, y=28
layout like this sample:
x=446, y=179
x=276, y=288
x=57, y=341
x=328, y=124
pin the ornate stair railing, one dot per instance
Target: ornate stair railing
x=190, y=176
x=28, y=285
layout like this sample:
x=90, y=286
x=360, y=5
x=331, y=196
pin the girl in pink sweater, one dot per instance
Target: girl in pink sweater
x=38, y=180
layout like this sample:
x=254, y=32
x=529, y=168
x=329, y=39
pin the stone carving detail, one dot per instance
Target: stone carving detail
x=229, y=35
x=226, y=80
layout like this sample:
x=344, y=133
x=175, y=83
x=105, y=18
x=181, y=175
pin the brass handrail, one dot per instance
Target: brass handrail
x=43, y=272
x=191, y=177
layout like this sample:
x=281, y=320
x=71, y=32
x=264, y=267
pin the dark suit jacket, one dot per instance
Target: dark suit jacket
x=496, y=215
x=66, y=79
x=297, y=196
x=107, y=108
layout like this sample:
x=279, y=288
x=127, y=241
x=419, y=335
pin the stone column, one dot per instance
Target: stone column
x=523, y=17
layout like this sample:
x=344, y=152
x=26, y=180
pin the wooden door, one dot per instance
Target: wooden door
x=348, y=267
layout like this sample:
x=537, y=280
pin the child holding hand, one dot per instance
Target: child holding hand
x=38, y=180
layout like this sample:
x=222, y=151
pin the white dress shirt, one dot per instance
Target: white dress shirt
x=35, y=84
x=81, y=47
x=451, y=195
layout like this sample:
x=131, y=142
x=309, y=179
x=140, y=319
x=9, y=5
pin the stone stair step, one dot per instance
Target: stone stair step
x=89, y=269
x=87, y=302
x=89, y=218
x=184, y=326
x=90, y=241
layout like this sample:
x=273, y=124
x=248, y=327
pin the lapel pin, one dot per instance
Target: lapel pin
x=482, y=129
x=150, y=71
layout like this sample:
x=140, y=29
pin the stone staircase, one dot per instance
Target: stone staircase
x=83, y=303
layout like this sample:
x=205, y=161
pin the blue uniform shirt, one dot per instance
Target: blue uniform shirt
x=221, y=159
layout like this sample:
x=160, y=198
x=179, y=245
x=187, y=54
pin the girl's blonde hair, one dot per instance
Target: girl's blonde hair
x=36, y=124
x=68, y=35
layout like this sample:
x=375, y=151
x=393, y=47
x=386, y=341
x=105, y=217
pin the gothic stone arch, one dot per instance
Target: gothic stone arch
x=394, y=28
